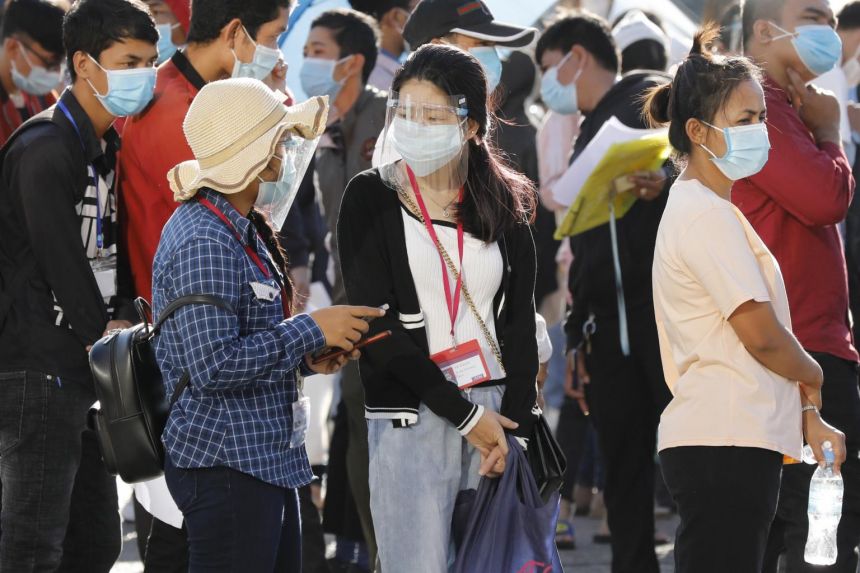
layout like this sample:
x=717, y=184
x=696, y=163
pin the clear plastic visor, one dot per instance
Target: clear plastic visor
x=427, y=135
x=295, y=153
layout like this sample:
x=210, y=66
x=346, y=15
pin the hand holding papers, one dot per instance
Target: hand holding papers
x=616, y=152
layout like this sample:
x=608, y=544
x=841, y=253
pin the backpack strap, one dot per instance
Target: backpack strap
x=173, y=307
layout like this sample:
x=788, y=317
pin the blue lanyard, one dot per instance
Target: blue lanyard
x=100, y=238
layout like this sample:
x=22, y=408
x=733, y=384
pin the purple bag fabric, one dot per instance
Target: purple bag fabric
x=510, y=529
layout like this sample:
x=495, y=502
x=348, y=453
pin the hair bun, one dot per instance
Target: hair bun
x=704, y=40
x=657, y=105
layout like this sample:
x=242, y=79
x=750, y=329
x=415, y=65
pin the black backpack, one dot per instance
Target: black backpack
x=133, y=406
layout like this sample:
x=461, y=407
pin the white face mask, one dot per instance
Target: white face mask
x=426, y=148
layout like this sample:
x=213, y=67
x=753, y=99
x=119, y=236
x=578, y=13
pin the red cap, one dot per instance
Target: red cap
x=182, y=10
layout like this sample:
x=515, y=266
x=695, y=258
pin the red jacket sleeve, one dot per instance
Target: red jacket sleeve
x=812, y=182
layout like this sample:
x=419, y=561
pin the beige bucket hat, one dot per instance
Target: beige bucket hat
x=233, y=127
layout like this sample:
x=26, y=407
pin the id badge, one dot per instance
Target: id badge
x=105, y=272
x=301, y=418
x=464, y=365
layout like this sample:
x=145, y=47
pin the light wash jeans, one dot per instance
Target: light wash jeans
x=415, y=475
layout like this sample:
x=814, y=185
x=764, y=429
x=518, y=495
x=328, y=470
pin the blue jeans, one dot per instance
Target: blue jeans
x=415, y=475
x=59, y=509
x=236, y=523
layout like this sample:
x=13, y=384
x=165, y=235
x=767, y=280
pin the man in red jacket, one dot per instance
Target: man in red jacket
x=223, y=41
x=795, y=203
x=31, y=61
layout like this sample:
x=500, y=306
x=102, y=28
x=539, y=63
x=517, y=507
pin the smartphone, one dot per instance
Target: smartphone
x=337, y=352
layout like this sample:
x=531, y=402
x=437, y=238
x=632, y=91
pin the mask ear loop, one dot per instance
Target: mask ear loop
x=725, y=137
x=785, y=33
x=107, y=76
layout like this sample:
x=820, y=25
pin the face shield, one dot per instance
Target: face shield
x=275, y=198
x=429, y=136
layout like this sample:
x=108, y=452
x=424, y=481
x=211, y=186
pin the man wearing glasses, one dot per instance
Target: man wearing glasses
x=31, y=61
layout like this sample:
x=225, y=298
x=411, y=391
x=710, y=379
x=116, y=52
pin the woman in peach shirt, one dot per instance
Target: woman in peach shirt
x=728, y=353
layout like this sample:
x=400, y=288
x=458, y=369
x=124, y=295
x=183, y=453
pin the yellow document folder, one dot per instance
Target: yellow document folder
x=591, y=207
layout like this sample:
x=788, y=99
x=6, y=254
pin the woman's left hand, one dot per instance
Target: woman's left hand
x=648, y=185
x=816, y=431
x=331, y=366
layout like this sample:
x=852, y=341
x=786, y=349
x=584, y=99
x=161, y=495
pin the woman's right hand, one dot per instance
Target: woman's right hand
x=488, y=437
x=343, y=326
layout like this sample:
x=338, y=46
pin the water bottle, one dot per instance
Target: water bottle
x=824, y=512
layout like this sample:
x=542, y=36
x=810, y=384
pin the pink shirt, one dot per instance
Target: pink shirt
x=707, y=263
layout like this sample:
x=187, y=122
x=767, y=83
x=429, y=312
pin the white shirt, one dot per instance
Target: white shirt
x=482, y=277
x=709, y=261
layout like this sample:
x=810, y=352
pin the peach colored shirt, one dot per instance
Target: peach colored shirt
x=707, y=263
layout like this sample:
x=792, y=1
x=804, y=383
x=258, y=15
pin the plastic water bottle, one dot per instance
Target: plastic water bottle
x=824, y=512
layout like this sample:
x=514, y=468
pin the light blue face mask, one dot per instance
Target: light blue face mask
x=39, y=82
x=260, y=66
x=317, y=77
x=166, y=47
x=492, y=64
x=747, y=149
x=558, y=97
x=274, y=198
x=129, y=91
x=818, y=46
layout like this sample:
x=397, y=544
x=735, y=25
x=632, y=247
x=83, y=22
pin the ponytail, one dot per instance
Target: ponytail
x=273, y=245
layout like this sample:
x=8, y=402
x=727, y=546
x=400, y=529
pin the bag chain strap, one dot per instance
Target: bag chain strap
x=468, y=297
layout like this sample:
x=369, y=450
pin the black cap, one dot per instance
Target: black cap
x=438, y=18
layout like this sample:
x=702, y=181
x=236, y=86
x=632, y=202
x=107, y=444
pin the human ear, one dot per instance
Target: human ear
x=83, y=65
x=763, y=31
x=696, y=131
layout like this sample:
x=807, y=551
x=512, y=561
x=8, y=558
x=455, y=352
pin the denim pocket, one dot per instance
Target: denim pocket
x=12, y=394
x=182, y=485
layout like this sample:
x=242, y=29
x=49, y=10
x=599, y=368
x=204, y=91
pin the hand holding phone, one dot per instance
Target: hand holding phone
x=338, y=352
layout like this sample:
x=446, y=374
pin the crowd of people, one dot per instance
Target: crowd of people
x=684, y=351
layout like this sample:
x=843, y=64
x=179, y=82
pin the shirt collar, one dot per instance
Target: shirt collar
x=92, y=144
x=241, y=223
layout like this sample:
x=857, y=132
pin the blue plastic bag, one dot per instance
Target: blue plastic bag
x=510, y=529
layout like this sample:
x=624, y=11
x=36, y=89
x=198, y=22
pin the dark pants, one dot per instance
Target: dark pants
x=841, y=400
x=357, y=455
x=59, y=508
x=726, y=500
x=313, y=540
x=626, y=396
x=236, y=523
x=163, y=548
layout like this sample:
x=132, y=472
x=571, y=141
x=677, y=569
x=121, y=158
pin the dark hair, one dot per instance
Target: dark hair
x=379, y=8
x=644, y=55
x=40, y=20
x=208, y=17
x=93, y=26
x=753, y=10
x=355, y=33
x=279, y=256
x=581, y=29
x=497, y=197
x=849, y=17
x=702, y=85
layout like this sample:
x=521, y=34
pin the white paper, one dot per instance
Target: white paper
x=155, y=498
x=568, y=186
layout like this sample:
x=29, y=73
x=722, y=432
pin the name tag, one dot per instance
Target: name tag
x=265, y=291
x=463, y=365
x=105, y=272
x=301, y=419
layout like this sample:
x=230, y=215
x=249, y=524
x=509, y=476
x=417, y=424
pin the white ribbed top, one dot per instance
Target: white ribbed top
x=483, y=276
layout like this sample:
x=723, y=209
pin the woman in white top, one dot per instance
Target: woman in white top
x=745, y=393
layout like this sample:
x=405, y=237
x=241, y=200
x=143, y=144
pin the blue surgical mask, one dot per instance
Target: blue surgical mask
x=166, y=47
x=317, y=77
x=129, y=91
x=261, y=64
x=274, y=198
x=818, y=46
x=747, y=149
x=492, y=64
x=558, y=97
x=39, y=82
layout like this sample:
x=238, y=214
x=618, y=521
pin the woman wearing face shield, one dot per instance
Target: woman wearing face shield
x=440, y=234
x=235, y=436
x=745, y=393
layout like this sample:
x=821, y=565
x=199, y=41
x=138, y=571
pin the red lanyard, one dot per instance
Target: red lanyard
x=452, y=301
x=251, y=252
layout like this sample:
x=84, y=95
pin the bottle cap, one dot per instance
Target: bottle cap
x=829, y=456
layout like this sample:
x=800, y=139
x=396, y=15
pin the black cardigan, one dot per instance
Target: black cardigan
x=397, y=373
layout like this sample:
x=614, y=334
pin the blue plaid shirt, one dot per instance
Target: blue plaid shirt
x=237, y=410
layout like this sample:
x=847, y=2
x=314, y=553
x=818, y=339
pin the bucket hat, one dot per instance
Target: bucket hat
x=233, y=127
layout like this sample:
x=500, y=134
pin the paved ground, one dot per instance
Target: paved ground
x=587, y=558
